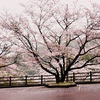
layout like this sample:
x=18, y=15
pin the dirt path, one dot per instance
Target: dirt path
x=81, y=92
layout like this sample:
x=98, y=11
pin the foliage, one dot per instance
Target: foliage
x=86, y=57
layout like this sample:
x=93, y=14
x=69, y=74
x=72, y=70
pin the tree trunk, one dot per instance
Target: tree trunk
x=60, y=79
x=57, y=78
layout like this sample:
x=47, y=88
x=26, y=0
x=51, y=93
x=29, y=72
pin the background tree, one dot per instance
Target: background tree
x=57, y=36
x=5, y=47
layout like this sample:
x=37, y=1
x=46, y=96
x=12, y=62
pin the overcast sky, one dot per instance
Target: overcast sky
x=13, y=5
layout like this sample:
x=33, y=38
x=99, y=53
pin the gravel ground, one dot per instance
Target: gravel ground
x=80, y=92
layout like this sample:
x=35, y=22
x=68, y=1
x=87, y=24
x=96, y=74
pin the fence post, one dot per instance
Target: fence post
x=73, y=77
x=10, y=81
x=41, y=79
x=26, y=80
x=90, y=76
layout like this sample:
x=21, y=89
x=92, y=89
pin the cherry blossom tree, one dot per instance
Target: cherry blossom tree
x=59, y=39
x=4, y=51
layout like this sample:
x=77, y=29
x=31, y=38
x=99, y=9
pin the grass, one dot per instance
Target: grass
x=61, y=84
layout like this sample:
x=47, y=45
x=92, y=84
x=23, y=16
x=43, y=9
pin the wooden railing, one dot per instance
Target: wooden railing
x=26, y=80
x=83, y=77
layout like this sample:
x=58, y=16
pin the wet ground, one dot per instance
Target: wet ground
x=80, y=92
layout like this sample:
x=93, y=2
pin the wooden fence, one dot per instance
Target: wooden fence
x=25, y=81
x=83, y=77
x=86, y=77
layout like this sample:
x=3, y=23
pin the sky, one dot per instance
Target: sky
x=14, y=5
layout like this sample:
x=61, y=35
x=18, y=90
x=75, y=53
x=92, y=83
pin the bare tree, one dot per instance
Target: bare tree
x=60, y=39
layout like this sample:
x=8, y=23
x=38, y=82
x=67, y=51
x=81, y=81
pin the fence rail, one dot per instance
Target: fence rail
x=83, y=77
x=86, y=77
